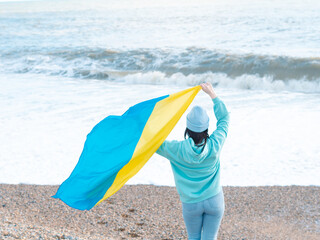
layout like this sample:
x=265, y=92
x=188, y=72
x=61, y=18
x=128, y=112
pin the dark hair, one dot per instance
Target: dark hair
x=197, y=137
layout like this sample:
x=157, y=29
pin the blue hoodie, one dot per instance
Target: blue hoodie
x=196, y=169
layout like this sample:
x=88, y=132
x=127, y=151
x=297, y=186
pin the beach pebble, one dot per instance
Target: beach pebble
x=152, y=212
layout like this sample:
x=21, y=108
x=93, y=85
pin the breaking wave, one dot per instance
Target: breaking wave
x=170, y=66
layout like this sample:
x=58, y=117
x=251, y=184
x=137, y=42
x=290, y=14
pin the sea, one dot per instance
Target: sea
x=65, y=65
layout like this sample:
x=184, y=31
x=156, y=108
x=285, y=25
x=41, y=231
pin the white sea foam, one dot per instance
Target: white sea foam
x=251, y=82
x=273, y=137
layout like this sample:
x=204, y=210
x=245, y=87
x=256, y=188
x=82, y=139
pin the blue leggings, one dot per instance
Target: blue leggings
x=204, y=216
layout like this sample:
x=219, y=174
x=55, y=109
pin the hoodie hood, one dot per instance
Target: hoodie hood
x=193, y=153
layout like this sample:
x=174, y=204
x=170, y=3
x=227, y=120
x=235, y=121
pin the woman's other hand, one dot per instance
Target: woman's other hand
x=207, y=88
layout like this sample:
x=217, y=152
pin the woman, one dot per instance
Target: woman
x=196, y=168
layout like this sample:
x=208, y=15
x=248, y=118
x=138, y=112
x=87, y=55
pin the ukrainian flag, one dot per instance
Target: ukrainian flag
x=119, y=146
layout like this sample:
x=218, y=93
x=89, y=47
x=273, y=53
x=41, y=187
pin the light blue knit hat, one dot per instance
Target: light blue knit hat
x=197, y=119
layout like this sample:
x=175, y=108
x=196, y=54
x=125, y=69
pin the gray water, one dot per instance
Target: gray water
x=277, y=41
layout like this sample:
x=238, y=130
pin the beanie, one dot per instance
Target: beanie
x=197, y=119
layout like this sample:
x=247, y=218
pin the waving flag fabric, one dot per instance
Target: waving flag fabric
x=119, y=146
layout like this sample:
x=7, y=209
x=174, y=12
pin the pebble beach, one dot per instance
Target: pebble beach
x=66, y=65
x=154, y=212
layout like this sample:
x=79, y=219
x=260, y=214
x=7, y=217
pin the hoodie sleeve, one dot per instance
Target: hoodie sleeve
x=169, y=149
x=222, y=115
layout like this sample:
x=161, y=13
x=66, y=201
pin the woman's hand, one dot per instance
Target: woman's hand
x=207, y=88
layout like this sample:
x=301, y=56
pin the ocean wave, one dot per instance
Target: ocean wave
x=158, y=66
x=169, y=61
x=247, y=82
